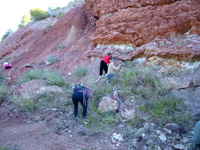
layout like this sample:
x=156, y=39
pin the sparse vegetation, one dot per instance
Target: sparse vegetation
x=49, y=76
x=6, y=148
x=60, y=16
x=38, y=14
x=25, y=20
x=80, y=72
x=52, y=59
x=100, y=91
x=42, y=100
x=63, y=46
x=9, y=32
x=101, y=121
x=153, y=97
x=4, y=92
x=4, y=89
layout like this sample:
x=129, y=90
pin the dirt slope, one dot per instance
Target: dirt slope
x=67, y=39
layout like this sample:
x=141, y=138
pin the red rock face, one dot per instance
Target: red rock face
x=138, y=22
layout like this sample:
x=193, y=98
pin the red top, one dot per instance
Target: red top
x=106, y=59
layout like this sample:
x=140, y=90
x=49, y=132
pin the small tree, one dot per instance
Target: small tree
x=25, y=20
x=38, y=14
x=9, y=32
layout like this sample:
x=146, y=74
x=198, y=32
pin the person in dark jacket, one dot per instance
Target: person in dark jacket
x=80, y=96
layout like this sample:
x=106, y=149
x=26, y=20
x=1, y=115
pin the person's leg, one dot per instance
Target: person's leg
x=105, y=67
x=85, y=110
x=84, y=106
x=75, y=102
x=101, y=67
x=110, y=76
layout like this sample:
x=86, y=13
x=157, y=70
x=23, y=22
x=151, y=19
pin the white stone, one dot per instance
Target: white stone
x=158, y=131
x=179, y=147
x=167, y=130
x=163, y=138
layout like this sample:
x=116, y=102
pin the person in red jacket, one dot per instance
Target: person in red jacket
x=104, y=64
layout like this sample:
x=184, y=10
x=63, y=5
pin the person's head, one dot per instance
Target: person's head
x=109, y=54
x=5, y=63
x=114, y=60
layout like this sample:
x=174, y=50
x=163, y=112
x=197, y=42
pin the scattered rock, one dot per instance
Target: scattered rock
x=162, y=138
x=179, y=147
x=167, y=130
x=116, y=139
x=108, y=104
x=128, y=114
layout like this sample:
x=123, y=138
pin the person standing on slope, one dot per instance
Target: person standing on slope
x=104, y=64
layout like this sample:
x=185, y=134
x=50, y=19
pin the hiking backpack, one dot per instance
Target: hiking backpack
x=82, y=88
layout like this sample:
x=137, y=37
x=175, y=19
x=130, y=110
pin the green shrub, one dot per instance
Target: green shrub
x=100, y=91
x=38, y=14
x=28, y=105
x=8, y=32
x=134, y=82
x=52, y=59
x=166, y=110
x=1, y=78
x=49, y=76
x=60, y=16
x=80, y=72
x=4, y=92
x=103, y=121
x=6, y=148
x=63, y=46
x=153, y=99
x=42, y=100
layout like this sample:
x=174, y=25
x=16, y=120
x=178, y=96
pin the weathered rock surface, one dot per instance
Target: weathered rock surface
x=108, y=104
x=185, y=47
x=29, y=89
x=32, y=88
x=138, y=22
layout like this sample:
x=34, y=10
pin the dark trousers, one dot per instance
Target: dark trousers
x=78, y=97
x=103, y=66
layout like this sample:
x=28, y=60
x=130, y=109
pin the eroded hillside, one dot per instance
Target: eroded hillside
x=153, y=104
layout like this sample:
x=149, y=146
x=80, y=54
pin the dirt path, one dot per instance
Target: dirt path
x=37, y=136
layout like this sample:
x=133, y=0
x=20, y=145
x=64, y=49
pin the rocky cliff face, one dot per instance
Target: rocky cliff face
x=134, y=23
x=138, y=22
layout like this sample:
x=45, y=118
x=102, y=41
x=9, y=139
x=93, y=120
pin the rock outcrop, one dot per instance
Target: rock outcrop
x=67, y=39
x=139, y=22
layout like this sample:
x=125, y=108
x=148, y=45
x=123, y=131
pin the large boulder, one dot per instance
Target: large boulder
x=30, y=88
x=108, y=104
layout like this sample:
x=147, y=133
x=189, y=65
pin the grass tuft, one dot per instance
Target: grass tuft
x=80, y=72
x=51, y=77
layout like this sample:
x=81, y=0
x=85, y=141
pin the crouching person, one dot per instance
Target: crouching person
x=81, y=94
x=112, y=69
x=7, y=65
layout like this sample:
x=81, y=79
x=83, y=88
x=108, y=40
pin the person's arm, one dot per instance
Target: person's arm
x=108, y=59
x=112, y=66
